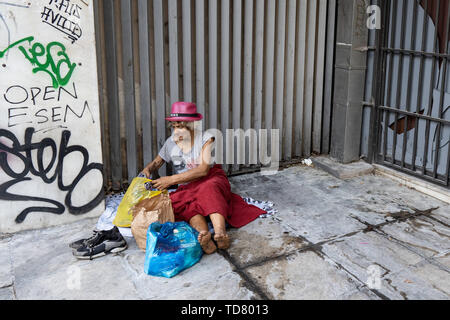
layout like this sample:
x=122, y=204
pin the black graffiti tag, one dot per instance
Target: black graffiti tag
x=23, y=153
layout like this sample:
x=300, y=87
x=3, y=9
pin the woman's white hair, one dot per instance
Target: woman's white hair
x=190, y=125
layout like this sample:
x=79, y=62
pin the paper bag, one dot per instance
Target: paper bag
x=155, y=209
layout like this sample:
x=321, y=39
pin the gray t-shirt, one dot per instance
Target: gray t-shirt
x=182, y=162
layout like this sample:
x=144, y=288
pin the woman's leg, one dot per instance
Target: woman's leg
x=221, y=237
x=198, y=222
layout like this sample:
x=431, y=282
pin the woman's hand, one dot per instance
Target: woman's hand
x=162, y=183
x=147, y=172
x=153, y=166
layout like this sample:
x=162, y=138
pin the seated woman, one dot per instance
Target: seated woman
x=204, y=190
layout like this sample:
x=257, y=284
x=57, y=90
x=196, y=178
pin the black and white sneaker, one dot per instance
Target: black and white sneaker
x=79, y=243
x=100, y=244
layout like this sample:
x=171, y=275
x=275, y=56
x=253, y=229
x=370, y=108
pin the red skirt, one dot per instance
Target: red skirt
x=212, y=194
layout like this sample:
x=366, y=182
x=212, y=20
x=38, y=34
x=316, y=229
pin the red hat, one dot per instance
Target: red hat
x=184, y=111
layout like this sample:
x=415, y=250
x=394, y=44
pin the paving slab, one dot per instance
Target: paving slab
x=349, y=197
x=444, y=259
x=352, y=201
x=7, y=294
x=423, y=235
x=211, y=278
x=275, y=184
x=362, y=250
x=101, y=279
x=426, y=187
x=423, y=281
x=45, y=268
x=320, y=222
x=300, y=276
x=368, y=199
x=243, y=182
x=379, y=188
x=442, y=214
x=286, y=196
x=294, y=173
x=304, y=172
x=387, y=190
x=373, y=199
x=307, y=211
x=359, y=294
x=432, y=275
x=369, y=255
x=261, y=239
x=288, y=181
x=6, y=270
x=227, y=286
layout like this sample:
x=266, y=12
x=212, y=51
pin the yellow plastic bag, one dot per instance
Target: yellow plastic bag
x=135, y=193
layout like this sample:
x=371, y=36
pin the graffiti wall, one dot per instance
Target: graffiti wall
x=50, y=146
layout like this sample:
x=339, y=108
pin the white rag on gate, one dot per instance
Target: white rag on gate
x=105, y=222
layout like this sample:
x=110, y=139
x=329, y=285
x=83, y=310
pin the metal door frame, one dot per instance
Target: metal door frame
x=377, y=149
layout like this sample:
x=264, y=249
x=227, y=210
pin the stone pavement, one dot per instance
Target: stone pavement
x=363, y=238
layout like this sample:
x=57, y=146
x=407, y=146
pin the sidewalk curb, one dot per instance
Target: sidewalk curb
x=340, y=170
x=427, y=188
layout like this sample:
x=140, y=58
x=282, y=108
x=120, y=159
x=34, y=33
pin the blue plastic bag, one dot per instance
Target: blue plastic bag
x=171, y=248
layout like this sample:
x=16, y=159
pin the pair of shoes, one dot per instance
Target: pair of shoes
x=100, y=244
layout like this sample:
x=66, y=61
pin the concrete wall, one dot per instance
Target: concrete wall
x=350, y=73
x=50, y=139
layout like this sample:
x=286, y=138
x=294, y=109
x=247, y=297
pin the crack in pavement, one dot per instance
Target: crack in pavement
x=400, y=216
x=248, y=282
x=409, y=248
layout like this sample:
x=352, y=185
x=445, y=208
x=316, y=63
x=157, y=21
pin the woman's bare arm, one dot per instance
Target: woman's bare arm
x=190, y=175
x=153, y=166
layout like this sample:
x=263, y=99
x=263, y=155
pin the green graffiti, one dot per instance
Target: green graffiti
x=43, y=59
x=2, y=53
